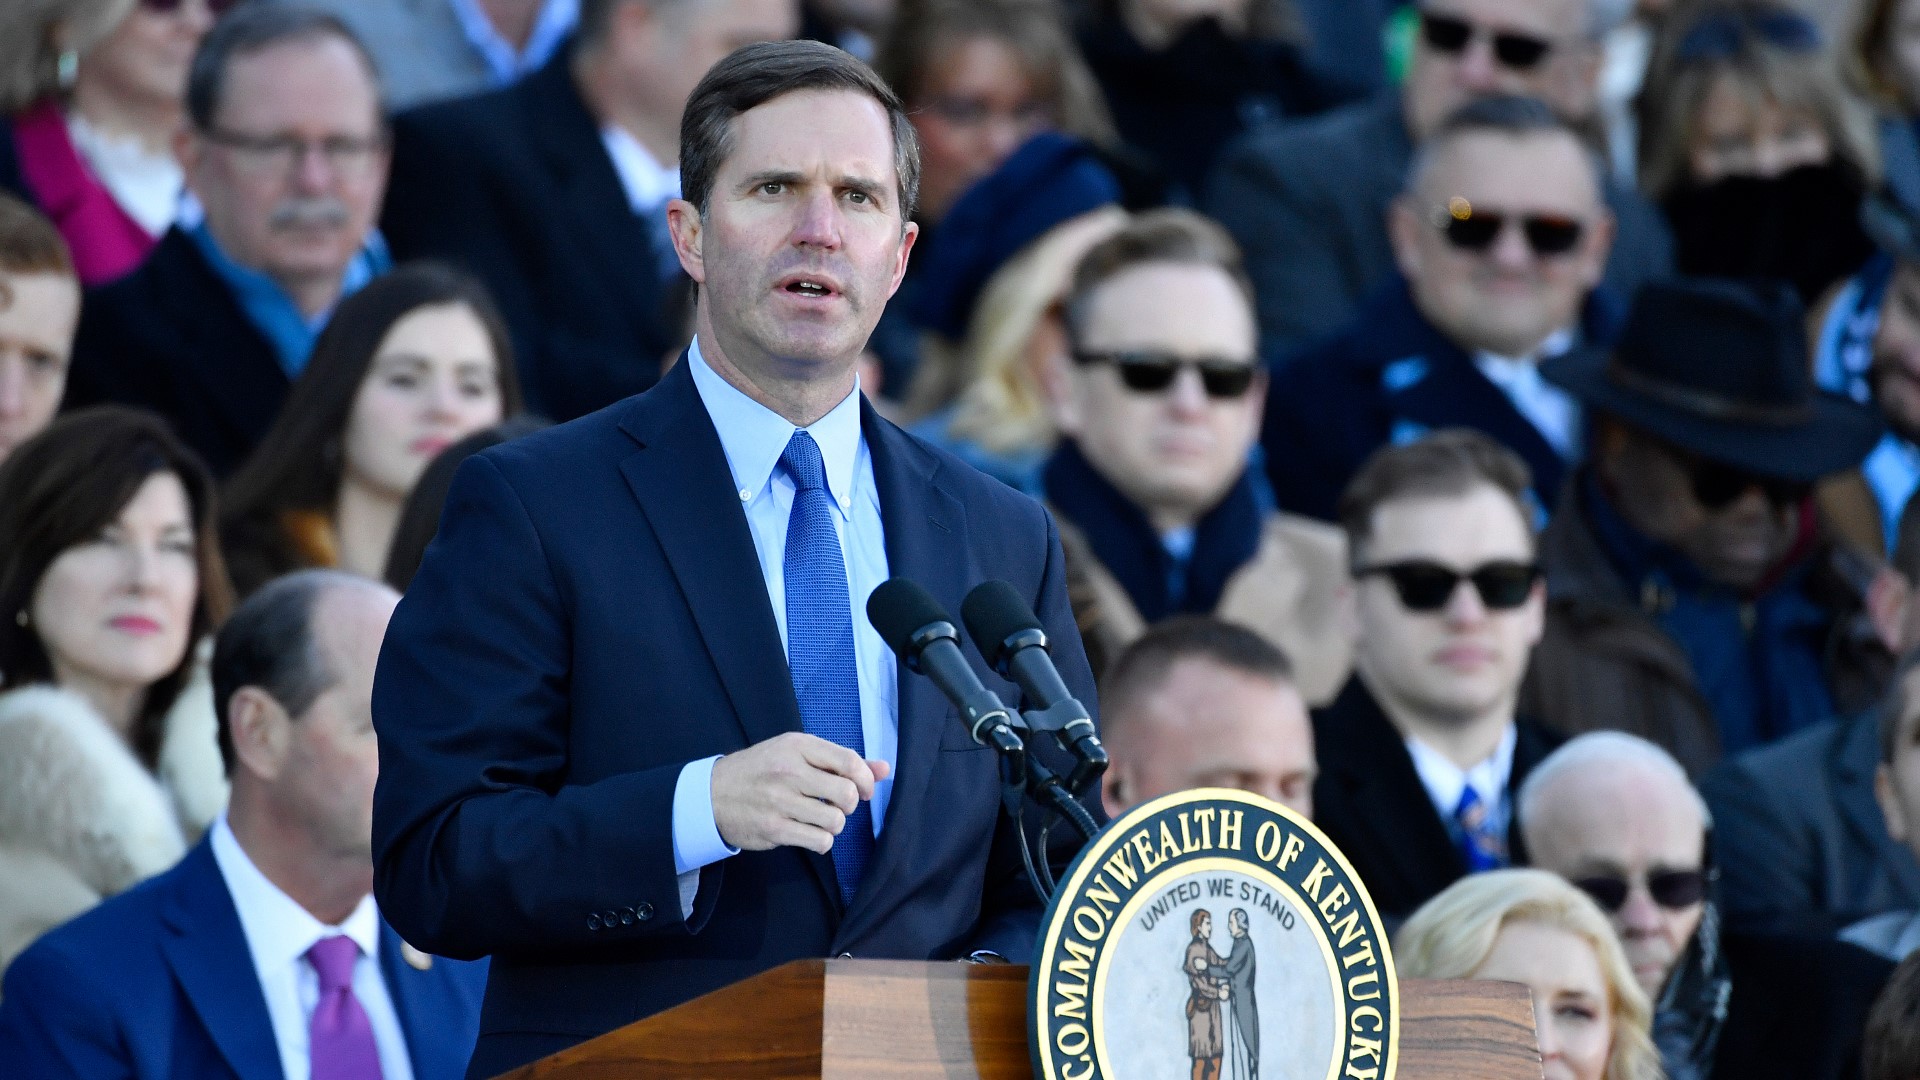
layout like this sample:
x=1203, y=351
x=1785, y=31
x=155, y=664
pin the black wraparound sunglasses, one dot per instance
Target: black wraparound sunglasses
x=1671, y=889
x=1446, y=34
x=1427, y=586
x=1470, y=228
x=1151, y=372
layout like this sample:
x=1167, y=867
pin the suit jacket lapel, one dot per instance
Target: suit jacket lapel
x=683, y=484
x=1454, y=393
x=422, y=1001
x=1389, y=801
x=237, y=368
x=208, y=953
x=926, y=542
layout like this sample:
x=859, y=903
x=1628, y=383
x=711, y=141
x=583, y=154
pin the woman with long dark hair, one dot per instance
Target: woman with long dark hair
x=109, y=575
x=407, y=366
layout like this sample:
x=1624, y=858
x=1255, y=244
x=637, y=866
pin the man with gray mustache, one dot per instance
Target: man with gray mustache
x=285, y=150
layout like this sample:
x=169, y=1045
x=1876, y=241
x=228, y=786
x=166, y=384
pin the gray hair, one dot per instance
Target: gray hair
x=1513, y=115
x=1597, y=749
x=250, y=28
x=269, y=643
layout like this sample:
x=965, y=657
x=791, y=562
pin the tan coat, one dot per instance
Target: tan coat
x=1293, y=591
x=81, y=818
x=1204, y=1035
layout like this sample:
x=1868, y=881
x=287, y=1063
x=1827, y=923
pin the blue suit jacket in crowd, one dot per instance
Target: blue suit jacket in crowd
x=157, y=984
x=591, y=617
x=1390, y=377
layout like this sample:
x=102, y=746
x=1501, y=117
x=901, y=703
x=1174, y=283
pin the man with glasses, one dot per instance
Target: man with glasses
x=1616, y=815
x=1421, y=752
x=285, y=154
x=1308, y=199
x=1159, y=413
x=554, y=192
x=1693, y=598
x=1501, y=237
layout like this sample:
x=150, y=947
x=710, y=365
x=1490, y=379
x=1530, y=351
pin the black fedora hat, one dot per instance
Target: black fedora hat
x=1720, y=368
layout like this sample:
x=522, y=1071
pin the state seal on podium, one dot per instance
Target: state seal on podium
x=1212, y=935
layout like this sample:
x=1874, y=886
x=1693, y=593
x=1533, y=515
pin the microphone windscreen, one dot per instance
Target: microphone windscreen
x=995, y=611
x=899, y=608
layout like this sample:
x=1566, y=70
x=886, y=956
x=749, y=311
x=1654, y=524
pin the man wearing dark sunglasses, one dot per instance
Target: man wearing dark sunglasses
x=1422, y=750
x=1500, y=236
x=1159, y=409
x=1695, y=599
x=1617, y=816
x=1308, y=198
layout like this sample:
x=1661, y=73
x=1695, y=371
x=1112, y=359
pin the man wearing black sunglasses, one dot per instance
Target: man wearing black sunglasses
x=1694, y=600
x=1501, y=236
x=1617, y=816
x=1160, y=410
x=1421, y=752
x=1308, y=198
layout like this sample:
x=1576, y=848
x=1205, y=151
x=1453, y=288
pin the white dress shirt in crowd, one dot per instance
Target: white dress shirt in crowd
x=146, y=184
x=753, y=437
x=1446, y=782
x=648, y=183
x=279, y=932
x=1551, y=410
x=557, y=19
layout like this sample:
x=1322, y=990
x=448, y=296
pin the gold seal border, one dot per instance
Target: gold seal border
x=1089, y=861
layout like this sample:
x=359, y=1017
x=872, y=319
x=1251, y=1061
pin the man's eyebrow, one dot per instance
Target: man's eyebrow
x=772, y=176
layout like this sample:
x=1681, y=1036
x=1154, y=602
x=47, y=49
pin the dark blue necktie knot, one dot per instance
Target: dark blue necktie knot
x=803, y=462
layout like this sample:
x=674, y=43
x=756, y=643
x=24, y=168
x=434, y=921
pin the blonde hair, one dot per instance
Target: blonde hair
x=1452, y=934
x=997, y=400
x=1870, y=61
x=33, y=35
x=1677, y=89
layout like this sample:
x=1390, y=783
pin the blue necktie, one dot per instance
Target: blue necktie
x=820, y=638
x=1479, y=844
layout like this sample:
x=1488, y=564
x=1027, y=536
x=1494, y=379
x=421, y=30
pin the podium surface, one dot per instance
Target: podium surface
x=900, y=1020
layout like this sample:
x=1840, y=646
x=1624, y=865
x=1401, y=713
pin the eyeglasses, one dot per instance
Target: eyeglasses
x=1717, y=486
x=215, y=8
x=1152, y=372
x=1428, y=586
x=1446, y=34
x=280, y=154
x=1724, y=35
x=1472, y=229
x=1671, y=889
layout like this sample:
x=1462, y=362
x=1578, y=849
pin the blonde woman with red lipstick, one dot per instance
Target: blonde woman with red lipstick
x=109, y=573
x=407, y=366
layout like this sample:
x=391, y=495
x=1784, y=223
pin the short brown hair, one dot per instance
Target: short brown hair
x=1144, y=665
x=29, y=244
x=1891, y=1047
x=755, y=74
x=1168, y=235
x=59, y=489
x=1445, y=464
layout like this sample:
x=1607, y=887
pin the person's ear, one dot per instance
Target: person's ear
x=1898, y=827
x=1403, y=229
x=1116, y=789
x=1599, y=245
x=685, y=226
x=261, y=731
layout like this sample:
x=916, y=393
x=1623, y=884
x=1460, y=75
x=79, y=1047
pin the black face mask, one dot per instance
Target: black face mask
x=1801, y=226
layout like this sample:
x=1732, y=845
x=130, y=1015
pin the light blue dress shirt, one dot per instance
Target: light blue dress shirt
x=753, y=437
x=556, y=20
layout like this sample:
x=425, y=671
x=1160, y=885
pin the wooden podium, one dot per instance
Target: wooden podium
x=896, y=1020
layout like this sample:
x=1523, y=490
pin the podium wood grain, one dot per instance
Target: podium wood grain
x=893, y=1020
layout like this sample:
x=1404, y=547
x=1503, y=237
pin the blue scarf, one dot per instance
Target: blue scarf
x=1159, y=583
x=272, y=311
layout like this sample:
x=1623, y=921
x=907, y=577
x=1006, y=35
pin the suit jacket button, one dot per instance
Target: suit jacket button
x=593, y=921
x=644, y=911
x=846, y=956
x=626, y=917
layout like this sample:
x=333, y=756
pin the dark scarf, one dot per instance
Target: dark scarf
x=1129, y=547
x=1802, y=226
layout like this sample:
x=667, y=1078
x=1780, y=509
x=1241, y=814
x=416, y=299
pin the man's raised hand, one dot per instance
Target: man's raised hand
x=794, y=790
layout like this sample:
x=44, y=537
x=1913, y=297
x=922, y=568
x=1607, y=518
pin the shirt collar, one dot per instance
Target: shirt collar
x=278, y=930
x=1558, y=342
x=550, y=28
x=755, y=436
x=646, y=182
x=1446, y=782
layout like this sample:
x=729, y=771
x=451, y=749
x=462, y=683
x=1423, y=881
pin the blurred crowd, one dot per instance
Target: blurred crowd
x=1487, y=427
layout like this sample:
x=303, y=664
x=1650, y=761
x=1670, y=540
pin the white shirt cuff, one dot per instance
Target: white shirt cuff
x=696, y=837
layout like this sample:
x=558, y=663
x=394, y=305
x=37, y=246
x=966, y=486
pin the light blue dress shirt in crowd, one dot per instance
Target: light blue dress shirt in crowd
x=753, y=437
x=556, y=20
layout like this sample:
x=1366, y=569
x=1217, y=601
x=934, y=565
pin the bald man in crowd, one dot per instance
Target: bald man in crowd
x=1197, y=702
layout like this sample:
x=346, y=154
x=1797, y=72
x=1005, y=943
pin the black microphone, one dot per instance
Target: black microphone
x=1015, y=645
x=920, y=632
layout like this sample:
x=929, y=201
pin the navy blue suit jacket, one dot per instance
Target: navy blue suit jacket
x=157, y=984
x=1389, y=377
x=590, y=618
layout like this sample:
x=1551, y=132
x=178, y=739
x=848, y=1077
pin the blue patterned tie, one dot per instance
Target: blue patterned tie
x=1479, y=844
x=820, y=638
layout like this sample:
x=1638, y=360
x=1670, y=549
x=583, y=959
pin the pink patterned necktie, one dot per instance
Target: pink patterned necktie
x=340, y=1037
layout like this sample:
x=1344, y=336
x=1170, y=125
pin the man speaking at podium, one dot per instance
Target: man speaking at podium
x=637, y=739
